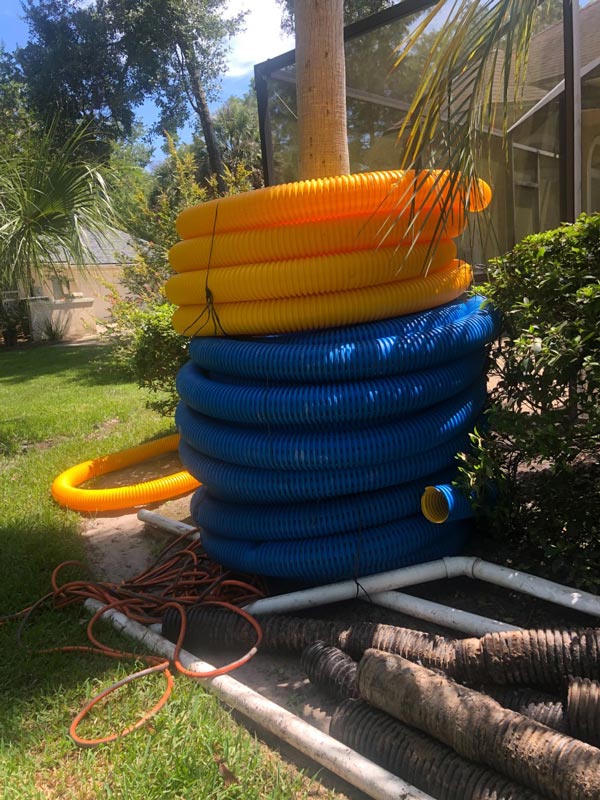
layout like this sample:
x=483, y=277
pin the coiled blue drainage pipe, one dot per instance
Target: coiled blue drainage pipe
x=377, y=349
x=320, y=560
x=239, y=484
x=309, y=520
x=360, y=446
x=327, y=404
x=357, y=421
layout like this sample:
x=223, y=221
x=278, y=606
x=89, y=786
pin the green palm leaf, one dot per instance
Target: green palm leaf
x=52, y=201
x=480, y=48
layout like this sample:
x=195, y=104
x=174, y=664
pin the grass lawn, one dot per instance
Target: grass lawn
x=59, y=408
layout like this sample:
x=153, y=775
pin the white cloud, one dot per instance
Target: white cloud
x=261, y=39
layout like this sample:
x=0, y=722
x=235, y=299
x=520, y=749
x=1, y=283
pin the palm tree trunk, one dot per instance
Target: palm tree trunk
x=321, y=88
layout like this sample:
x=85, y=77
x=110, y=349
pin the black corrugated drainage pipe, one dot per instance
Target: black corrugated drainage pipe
x=331, y=670
x=432, y=766
x=209, y=625
x=583, y=710
x=419, y=759
x=336, y=673
x=480, y=729
x=538, y=658
x=541, y=707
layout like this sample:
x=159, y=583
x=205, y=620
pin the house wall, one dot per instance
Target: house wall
x=80, y=304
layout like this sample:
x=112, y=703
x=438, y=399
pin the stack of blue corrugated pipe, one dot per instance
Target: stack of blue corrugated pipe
x=314, y=447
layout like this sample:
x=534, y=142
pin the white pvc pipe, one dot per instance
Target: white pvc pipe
x=370, y=586
x=169, y=525
x=453, y=618
x=336, y=757
x=359, y=589
x=517, y=581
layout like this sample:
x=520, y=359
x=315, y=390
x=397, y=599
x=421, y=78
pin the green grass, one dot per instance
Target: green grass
x=58, y=407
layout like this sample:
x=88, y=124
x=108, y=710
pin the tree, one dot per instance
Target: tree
x=75, y=71
x=476, y=39
x=353, y=11
x=99, y=60
x=50, y=198
x=15, y=119
x=238, y=138
x=321, y=89
x=177, y=48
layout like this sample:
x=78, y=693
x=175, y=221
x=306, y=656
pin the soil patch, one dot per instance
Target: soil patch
x=119, y=546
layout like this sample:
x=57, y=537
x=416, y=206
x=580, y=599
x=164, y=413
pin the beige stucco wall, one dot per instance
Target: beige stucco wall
x=81, y=306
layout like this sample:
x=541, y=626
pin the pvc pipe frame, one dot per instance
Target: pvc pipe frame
x=330, y=753
x=379, y=589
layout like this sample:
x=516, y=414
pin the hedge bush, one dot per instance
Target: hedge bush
x=541, y=440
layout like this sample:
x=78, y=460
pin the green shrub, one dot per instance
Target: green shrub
x=160, y=353
x=541, y=442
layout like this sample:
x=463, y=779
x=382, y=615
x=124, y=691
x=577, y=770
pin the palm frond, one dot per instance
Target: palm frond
x=52, y=201
x=480, y=46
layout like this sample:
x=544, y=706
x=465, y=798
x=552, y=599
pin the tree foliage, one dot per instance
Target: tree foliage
x=541, y=445
x=353, y=11
x=99, y=60
x=238, y=138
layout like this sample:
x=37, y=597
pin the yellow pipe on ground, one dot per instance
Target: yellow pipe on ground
x=66, y=492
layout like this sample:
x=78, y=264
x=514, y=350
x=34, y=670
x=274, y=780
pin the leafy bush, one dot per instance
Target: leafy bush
x=144, y=343
x=541, y=443
x=160, y=353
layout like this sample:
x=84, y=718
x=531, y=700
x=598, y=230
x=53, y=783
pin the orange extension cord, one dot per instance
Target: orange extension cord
x=177, y=580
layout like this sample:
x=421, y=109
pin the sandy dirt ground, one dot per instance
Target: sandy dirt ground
x=119, y=546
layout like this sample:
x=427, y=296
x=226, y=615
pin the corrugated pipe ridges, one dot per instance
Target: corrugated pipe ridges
x=401, y=543
x=543, y=708
x=388, y=347
x=252, y=485
x=583, y=709
x=445, y=503
x=336, y=673
x=298, y=277
x=326, y=405
x=258, y=317
x=479, y=729
x=276, y=522
x=469, y=660
x=331, y=669
x=292, y=634
x=417, y=758
x=541, y=658
x=361, y=445
x=389, y=191
x=310, y=239
x=66, y=491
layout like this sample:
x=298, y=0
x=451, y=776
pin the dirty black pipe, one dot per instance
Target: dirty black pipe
x=542, y=707
x=479, y=729
x=583, y=710
x=410, y=754
x=533, y=658
x=540, y=658
x=417, y=758
x=331, y=670
x=208, y=625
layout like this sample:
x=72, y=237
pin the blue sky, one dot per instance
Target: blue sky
x=261, y=39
